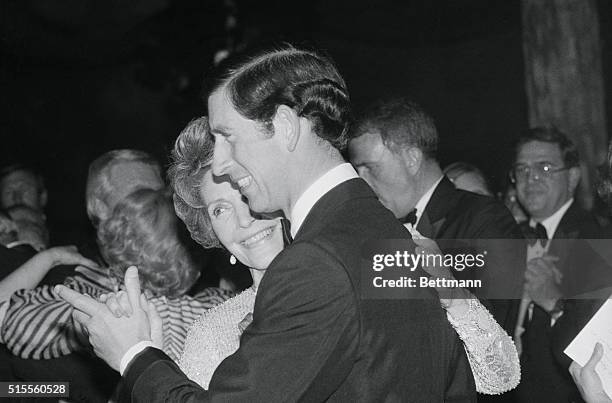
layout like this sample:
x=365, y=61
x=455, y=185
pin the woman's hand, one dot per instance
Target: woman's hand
x=587, y=380
x=65, y=255
x=447, y=296
x=118, y=303
x=426, y=247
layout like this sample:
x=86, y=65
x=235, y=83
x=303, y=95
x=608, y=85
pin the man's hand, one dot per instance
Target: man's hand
x=542, y=279
x=587, y=380
x=111, y=337
x=155, y=320
x=119, y=304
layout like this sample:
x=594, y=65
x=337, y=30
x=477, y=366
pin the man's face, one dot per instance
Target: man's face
x=31, y=226
x=543, y=194
x=21, y=187
x=248, y=155
x=384, y=171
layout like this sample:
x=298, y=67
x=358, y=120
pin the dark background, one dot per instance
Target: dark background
x=81, y=77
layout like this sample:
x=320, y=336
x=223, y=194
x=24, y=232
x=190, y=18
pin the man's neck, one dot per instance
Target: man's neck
x=544, y=217
x=309, y=172
x=429, y=174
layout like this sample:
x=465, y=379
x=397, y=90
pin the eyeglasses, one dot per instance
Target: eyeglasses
x=540, y=170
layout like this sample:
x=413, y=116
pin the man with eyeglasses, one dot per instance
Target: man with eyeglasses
x=560, y=263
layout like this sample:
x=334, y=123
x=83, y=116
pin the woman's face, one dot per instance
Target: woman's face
x=255, y=242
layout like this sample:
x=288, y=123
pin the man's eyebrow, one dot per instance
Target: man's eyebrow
x=221, y=129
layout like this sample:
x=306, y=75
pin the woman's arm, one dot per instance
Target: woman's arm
x=29, y=274
x=491, y=352
x=38, y=323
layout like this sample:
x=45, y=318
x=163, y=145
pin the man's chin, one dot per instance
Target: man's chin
x=535, y=210
x=258, y=205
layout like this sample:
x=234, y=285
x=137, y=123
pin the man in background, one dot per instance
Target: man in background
x=393, y=147
x=561, y=263
x=22, y=185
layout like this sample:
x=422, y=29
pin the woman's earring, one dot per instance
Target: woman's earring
x=232, y=260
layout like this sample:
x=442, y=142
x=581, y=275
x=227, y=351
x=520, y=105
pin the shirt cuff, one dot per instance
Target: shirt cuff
x=133, y=352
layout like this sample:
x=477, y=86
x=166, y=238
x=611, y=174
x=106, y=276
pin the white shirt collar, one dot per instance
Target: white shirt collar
x=318, y=189
x=424, y=200
x=551, y=223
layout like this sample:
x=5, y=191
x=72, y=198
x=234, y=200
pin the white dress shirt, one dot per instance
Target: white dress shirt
x=536, y=251
x=424, y=201
x=317, y=190
x=551, y=223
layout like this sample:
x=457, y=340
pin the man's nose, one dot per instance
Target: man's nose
x=245, y=219
x=221, y=158
x=533, y=176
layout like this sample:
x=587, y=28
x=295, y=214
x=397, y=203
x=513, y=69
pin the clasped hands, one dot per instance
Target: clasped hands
x=117, y=321
x=542, y=281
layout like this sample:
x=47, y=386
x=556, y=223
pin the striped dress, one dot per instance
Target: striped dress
x=38, y=323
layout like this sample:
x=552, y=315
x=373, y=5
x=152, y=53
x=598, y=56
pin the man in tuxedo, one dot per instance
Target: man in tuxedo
x=562, y=262
x=393, y=147
x=279, y=120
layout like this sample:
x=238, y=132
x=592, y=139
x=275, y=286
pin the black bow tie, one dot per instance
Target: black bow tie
x=286, y=226
x=536, y=234
x=411, y=218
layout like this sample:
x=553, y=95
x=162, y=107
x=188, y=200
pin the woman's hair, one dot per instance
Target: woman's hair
x=303, y=80
x=143, y=232
x=99, y=185
x=191, y=159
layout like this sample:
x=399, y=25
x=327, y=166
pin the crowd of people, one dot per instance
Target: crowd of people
x=264, y=175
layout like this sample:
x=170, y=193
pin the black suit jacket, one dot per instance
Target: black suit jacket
x=545, y=376
x=465, y=222
x=316, y=336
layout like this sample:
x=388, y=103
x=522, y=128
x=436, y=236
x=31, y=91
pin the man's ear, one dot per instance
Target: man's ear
x=413, y=159
x=574, y=178
x=287, y=125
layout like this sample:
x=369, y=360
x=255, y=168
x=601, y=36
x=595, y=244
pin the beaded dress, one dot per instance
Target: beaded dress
x=215, y=336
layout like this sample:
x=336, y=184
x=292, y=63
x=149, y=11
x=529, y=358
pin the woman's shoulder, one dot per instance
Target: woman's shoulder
x=204, y=300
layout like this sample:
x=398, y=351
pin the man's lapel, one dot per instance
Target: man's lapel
x=567, y=231
x=569, y=226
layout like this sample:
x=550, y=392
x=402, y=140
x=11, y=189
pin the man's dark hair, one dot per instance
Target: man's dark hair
x=303, y=80
x=400, y=123
x=552, y=135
